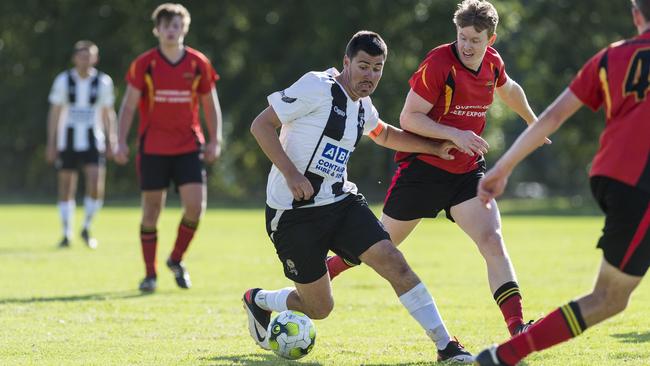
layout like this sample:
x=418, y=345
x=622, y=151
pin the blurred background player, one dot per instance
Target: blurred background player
x=312, y=207
x=618, y=79
x=449, y=97
x=80, y=132
x=168, y=82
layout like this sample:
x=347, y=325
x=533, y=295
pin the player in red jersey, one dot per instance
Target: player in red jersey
x=617, y=79
x=449, y=97
x=168, y=82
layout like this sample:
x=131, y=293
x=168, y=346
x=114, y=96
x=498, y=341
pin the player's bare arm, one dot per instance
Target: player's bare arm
x=264, y=129
x=494, y=182
x=414, y=119
x=125, y=119
x=514, y=97
x=397, y=139
x=109, y=120
x=213, y=122
x=53, y=117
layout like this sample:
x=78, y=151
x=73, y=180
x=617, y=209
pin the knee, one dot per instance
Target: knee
x=194, y=211
x=322, y=310
x=611, y=302
x=150, y=214
x=491, y=245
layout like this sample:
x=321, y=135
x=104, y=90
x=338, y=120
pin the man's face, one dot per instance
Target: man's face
x=170, y=31
x=84, y=59
x=472, y=46
x=365, y=72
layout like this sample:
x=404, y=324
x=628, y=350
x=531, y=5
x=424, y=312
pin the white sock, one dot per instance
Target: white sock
x=420, y=305
x=273, y=300
x=66, y=210
x=91, y=206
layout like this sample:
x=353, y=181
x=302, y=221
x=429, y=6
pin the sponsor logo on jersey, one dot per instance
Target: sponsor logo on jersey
x=287, y=99
x=338, y=111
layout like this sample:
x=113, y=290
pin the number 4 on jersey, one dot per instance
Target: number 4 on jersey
x=637, y=81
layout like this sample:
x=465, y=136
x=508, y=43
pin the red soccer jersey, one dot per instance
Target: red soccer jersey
x=169, y=106
x=460, y=97
x=618, y=78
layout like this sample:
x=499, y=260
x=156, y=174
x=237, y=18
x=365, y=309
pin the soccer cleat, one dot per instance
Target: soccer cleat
x=148, y=284
x=64, y=243
x=455, y=352
x=488, y=357
x=521, y=328
x=258, y=319
x=90, y=241
x=180, y=273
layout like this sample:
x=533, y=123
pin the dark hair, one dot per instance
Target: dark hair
x=85, y=45
x=167, y=11
x=367, y=41
x=644, y=8
x=477, y=13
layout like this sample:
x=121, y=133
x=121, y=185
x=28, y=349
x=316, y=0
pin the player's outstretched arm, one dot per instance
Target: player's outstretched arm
x=264, y=129
x=397, y=139
x=125, y=119
x=53, y=117
x=495, y=180
x=109, y=120
x=213, y=123
x=414, y=119
x=514, y=97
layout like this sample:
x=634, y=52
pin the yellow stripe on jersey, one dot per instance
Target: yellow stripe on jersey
x=604, y=83
x=423, y=69
x=149, y=81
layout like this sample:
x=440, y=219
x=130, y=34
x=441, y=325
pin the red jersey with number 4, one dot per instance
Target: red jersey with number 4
x=618, y=78
x=169, y=105
x=460, y=98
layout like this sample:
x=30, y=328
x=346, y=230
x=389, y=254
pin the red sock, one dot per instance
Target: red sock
x=559, y=326
x=336, y=265
x=186, y=230
x=508, y=298
x=149, y=242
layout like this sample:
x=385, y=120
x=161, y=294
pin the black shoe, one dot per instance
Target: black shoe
x=64, y=243
x=148, y=284
x=258, y=319
x=488, y=357
x=180, y=273
x=521, y=328
x=88, y=239
x=455, y=352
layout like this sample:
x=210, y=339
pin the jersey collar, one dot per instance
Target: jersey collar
x=162, y=55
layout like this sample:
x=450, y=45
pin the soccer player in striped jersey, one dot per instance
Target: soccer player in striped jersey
x=80, y=134
x=450, y=94
x=168, y=83
x=618, y=79
x=311, y=205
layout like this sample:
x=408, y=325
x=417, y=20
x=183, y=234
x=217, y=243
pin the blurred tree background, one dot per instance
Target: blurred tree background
x=260, y=46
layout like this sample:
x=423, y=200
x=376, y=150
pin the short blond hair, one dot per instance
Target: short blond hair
x=167, y=11
x=85, y=45
x=480, y=14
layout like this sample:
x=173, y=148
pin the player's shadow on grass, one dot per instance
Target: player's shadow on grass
x=101, y=296
x=632, y=337
x=257, y=359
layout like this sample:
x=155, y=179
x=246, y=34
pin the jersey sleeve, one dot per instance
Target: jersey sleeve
x=427, y=80
x=372, y=120
x=58, y=93
x=106, y=92
x=499, y=69
x=135, y=75
x=298, y=100
x=208, y=77
x=586, y=85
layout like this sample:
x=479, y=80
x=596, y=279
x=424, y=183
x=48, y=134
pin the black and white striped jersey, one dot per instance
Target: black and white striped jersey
x=321, y=126
x=82, y=99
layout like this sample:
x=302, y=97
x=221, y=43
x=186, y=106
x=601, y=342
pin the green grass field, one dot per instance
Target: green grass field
x=81, y=307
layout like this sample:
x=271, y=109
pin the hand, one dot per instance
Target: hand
x=470, y=143
x=300, y=186
x=443, y=150
x=492, y=185
x=51, y=154
x=110, y=153
x=122, y=153
x=211, y=152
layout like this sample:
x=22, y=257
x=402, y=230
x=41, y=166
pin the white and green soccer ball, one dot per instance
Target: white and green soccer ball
x=291, y=335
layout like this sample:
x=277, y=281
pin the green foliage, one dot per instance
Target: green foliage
x=82, y=307
x=260, y=46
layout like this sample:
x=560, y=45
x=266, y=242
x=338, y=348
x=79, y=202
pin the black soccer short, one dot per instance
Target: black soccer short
x=626, y=239
x=421, y=190
x=73, y=160
x=157, y=171
x=303, y=236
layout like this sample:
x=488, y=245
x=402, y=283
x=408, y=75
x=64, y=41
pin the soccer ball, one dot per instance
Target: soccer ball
x=291, y=335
